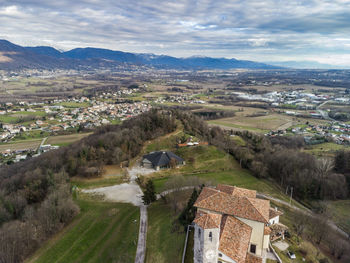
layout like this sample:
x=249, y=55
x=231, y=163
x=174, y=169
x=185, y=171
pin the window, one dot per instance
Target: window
x=199, y=232
x=220, y=255
x=210, y=236
x=252, y=248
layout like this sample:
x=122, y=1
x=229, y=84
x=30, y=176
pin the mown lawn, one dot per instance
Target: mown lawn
x=102, y=232
x=163, y=244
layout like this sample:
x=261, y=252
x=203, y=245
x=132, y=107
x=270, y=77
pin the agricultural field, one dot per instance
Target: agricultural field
x=21, y=145
x=72, y=104
x=63, y=140
x=21, y=116
x=261, y=124
x=102, y=232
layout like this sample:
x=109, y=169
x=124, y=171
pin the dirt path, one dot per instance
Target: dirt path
x=141, y=244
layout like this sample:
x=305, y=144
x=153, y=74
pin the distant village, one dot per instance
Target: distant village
x=68, y=115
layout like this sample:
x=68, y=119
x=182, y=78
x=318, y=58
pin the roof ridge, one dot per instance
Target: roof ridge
x=248, y=198
x=207, y=198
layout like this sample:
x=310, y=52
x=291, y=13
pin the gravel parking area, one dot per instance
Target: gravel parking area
x=125, y=193
x=281, y=245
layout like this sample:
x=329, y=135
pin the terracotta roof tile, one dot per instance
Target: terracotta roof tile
x=234, y=238
x=262, y=206
x=206, y=192
x=273, y=213
x=236, y=191
x=208, y=221
x=253, y=259
x=249, y=208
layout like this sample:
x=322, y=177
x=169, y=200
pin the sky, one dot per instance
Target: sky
x=259, y=30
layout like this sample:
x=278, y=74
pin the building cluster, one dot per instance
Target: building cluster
x=55, y=117
x=295, y=99
x=180, y=98
x=337, y=132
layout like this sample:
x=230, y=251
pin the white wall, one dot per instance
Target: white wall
x=274, y=220
x=257, y=236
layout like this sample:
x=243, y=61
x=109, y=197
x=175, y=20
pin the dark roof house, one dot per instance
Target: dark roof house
x=160, y=159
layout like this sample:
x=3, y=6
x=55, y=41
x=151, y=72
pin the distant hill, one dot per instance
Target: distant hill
x=304, y=65
x=14, y=57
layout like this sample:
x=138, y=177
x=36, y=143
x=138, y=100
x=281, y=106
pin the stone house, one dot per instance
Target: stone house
x=232, y=225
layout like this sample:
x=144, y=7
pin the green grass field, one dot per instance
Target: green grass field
x=64, y=140
x=237, y=126
x=102, y=232
x=163, y=245
x=72, y=104
x=324, y=149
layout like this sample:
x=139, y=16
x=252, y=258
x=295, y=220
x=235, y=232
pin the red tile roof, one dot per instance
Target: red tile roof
x=273, y=213
x=234, y=238
x=221, y=202
x=236, y=191
x=208, y=221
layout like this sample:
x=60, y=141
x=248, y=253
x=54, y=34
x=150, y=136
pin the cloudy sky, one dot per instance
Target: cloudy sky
x=260, y=30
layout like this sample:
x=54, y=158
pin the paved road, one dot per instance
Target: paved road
x=324, y=113
x=141, y=244
x=42, y=143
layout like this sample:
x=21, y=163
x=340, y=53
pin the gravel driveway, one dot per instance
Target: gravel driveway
x=125, y=193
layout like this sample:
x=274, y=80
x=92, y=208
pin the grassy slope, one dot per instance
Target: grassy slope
x=215, y=166
x=162, y=244
x=340, y=213
x=102, y=232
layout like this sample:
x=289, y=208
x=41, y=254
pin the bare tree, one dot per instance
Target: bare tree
x=324, y=168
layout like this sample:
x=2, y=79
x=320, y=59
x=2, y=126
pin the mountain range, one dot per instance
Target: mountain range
x=15, y=57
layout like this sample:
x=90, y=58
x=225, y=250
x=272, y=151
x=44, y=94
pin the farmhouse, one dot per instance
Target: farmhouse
x=160, y=159
x=232, y=225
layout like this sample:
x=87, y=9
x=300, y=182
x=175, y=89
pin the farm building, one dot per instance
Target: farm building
x=160, y=159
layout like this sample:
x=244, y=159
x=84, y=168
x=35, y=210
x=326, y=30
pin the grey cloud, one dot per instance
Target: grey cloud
x=183, y=27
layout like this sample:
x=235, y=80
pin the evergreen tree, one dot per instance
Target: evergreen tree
x=188, y=214
x=149, y=194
